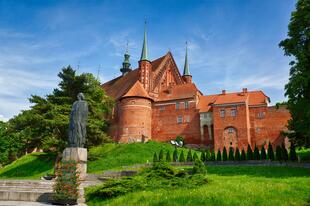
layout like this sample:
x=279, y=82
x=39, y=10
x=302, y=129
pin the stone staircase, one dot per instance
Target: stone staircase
x=33, y=190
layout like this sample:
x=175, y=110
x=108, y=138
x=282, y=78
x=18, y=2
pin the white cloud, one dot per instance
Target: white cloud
x=2, y=118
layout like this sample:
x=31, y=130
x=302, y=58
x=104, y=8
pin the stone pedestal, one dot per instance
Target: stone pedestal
x=80, y=156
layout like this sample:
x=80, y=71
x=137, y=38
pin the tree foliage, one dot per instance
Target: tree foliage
x=224, y=154
x=237, y=154
x=182, y=157
x=256, y=154
x=263, y=153
x=218, y=156
x=189, y=157
x=243, y=155
x=45, y=124
x=231, y=154
x=175, y=155
x=249, y=153
x=297, y=45
x=270, y=152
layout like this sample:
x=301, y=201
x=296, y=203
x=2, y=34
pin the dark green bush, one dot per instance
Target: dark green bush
x=256, y=155
x=270, y=152
x=249, y=153
x=243, y=155
x=279, y=153
x=263, y=153
x=224, y=155
x=155, y=158
x=202, y=156
x=161, y=155
x=212, y=156
x=168, y=157
x=175, y=155
x=199, y=167
x=195, y=156
x=189, y=157
x=231, y=154
x=284, y=153
x=218, y=156
x=237, y=154
x=208, y=155
x=182, y=158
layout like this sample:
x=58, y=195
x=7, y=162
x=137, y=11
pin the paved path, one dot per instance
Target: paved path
x=22, y=203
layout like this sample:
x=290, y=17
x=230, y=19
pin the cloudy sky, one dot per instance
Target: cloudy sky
x=232, y=43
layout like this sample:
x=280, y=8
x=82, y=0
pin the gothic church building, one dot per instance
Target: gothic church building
x=157, y=102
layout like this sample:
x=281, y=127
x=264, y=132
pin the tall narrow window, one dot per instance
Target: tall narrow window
x=179, y=119
x=261, y=115
x=177, y=105
x=222, y=113
x=162, y=108
x=233, y=112
x=186, y=104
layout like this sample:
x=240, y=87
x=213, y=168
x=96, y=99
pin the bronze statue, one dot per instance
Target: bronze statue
x=78, y=120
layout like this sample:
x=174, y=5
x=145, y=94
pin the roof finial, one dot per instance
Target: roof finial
x=186, y=67
x=127, y=47
x=144, y=47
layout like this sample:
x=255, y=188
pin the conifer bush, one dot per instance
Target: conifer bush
x=182, y=157
x=195, y=156
x=189, y=157
x=231, y=154
x=155, y=158
x=284, y=153
x=175, y=155
x=199, y=167
x=293, y=155
x=218, y=156
x=256, y=155
x=202, y=156
x=208, y=155
x=249, y=153
x=161, y=155
x=263, y=153
x=243, y=155
x=168, y=157
x=270, y=152
x=224, y=155
x=237, y=154
x=212, y=156
x=279, y=153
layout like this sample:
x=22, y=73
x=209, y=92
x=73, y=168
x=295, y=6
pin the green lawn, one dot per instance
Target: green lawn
x=230, y=185
x=31, y=166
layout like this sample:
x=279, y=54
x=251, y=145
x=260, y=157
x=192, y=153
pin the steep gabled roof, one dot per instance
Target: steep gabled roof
x=231, y=98
x=205, y=102
x=137, y=90
x=182, y=91
x=119, y=86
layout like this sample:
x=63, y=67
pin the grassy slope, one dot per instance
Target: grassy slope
x=231, y=186
x=114, y=156
x=31, y=166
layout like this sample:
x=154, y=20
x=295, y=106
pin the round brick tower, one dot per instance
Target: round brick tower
x=135, y=121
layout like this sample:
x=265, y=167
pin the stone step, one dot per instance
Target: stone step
x=31, y=196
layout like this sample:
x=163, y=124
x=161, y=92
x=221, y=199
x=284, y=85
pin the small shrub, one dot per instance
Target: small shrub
x=195, y=156
x=208, y=155
x=293, y=155
x=279, y=153
x=218, y=156
x=161, y=156
x=231, y=154
x=237, y=154
x=249, y=153
x=189, y=157
x=256, y=155
x=284, y=153
x=202, y=156
x=224, y=155
x=270, y=152
x=199, y=167
x=168, y=157
x=212, y=156
x=182, y=158
x=175, y=155
x=155, y=158
x=243, y=155
x=263, y=153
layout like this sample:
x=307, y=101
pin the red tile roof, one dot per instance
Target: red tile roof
x=182, y=91
x=137, y=90
x=205, y=102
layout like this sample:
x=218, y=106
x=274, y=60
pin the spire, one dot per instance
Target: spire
x=186, y=67
x=144, y=48
x=126, y=63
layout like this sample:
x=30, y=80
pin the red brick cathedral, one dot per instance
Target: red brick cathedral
x=157, y=102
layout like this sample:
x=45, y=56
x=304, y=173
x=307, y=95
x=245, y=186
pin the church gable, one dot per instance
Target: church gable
x=166, y=74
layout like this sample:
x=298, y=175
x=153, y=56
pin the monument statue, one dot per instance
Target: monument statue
x=78, y=120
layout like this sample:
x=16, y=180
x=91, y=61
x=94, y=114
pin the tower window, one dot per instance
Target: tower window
x=261, y=115
x=186, y=104
x=162, y=108
x=180, y=119
x=222, y=113
x=177, y=105
x=233, y=112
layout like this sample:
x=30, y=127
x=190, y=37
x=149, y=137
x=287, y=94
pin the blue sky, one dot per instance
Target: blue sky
x=232, y=43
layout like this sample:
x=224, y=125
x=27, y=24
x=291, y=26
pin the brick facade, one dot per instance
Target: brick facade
x=155, y=102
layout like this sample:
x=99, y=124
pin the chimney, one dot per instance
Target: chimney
x=223, y=91
x=245, y=90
